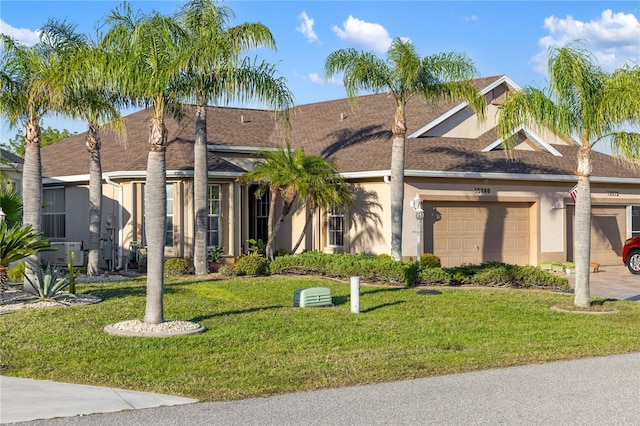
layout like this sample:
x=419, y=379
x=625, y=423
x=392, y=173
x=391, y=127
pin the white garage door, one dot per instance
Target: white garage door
x=608, y=230
x=473, y=233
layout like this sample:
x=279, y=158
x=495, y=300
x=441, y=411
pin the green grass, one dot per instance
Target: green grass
x=257, y=344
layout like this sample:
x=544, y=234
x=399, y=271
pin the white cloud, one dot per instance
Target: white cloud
x=23, y=35
x=315, y=78
x=366, y=34
x=613, y=38
x=471, y=18
x=306, y=27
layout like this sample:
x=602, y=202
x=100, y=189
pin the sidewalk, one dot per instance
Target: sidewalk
x=26, y=399
x=590, y=391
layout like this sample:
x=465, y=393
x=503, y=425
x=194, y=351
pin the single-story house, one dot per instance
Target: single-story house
x=480, y=204
x=11, y=169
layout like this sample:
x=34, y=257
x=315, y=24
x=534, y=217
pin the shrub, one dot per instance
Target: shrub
x=252, y=264
x=495, y=275
x=430, y=260
x=15, y=273
x=411, y=273
x=435, y=276
x=176, y=266
x=226, y=271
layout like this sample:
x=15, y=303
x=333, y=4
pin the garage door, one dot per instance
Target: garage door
x=608, y=230
x=473, y=233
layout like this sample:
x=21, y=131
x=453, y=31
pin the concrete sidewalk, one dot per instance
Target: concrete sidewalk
x=590, y=391
x=26, y=399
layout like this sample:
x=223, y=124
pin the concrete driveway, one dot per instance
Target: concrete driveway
x=613, y=281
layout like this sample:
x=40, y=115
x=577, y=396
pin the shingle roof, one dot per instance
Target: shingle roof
x=12, y=158
x=357, y=140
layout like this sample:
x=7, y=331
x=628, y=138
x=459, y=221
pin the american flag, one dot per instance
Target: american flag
x=574, y=193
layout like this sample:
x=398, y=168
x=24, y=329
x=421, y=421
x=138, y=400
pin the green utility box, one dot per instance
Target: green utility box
x=312, y=297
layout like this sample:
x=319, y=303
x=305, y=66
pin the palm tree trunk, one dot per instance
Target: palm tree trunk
x=95, y=199
x=200, y=181
x=32, y=190
x=155, y=203
x=304, y=229
x=582, y=229
x=397, y=181
x=271, y=222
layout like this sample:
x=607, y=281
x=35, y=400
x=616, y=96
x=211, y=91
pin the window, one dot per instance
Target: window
x=335, y=227
x=53, y=213
x=213, y=216
x=168, y=242
x=261, y=217
x=635, y=221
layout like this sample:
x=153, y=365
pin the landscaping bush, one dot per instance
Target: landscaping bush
x=411, y=273
x=176, y=266
x=500, y=275
x=435, y=276
x=251, y=264
x=48, y=282
x=430, y=260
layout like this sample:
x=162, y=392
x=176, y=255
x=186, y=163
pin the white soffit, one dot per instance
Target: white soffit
x=536, y=138
x=504, y=79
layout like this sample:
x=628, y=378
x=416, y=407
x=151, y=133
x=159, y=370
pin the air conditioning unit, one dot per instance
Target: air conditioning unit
x=61, y=256
x=312, y=297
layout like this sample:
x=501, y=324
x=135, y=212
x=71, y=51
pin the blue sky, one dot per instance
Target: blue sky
x=502, y=37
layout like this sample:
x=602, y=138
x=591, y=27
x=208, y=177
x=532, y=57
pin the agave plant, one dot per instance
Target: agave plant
x=48, y=282
x=18, y=242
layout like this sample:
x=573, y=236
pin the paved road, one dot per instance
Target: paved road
x=592, y=391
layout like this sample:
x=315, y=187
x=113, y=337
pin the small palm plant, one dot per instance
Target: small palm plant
x=16, y=243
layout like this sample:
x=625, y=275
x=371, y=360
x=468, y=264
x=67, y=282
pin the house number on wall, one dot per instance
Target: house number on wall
x=480, y=191
x=612, y=193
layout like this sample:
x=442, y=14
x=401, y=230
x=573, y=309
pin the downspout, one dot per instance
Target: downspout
x=120, y=200
x=387, y=179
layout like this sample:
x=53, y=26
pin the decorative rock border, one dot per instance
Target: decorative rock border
x=137, y=328
x=557, y=309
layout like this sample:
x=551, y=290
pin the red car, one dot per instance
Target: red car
x=631, y=254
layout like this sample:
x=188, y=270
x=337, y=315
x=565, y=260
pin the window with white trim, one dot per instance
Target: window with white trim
x=168, y=242
x=53, y=213
x=335, y=227
x=213, y=216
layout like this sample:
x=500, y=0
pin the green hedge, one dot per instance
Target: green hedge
x=382, y=269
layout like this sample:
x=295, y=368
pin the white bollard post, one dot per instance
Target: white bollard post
x=355, y=295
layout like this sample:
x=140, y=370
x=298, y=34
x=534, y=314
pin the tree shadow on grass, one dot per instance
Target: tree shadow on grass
x=384, y=305
x=236, y=312
x=128, y=291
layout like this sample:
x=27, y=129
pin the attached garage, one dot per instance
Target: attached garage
x=464, y=232
x=608, y=230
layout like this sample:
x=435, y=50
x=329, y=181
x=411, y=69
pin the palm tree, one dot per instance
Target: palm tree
x=585, y=102
x=144, y=56
x=405, y=74
x=90, y=97
x=283, y=172
x=325, y=189
x=26, y=96
x=214, y=72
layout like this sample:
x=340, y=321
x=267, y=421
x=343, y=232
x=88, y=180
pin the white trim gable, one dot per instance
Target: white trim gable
x=536, y=138
x=504, y=79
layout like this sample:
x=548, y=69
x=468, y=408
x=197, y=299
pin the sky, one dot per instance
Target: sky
x=501, y=37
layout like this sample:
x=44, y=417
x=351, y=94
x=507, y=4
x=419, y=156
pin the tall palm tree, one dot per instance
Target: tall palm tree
x=144, y=53
x=283, y=172
x=92, y=98
x=214, y=71
x=405, y=74
x=584, y=102
x=26, y=96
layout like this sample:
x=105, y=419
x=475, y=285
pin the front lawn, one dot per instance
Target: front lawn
x=257, y=344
